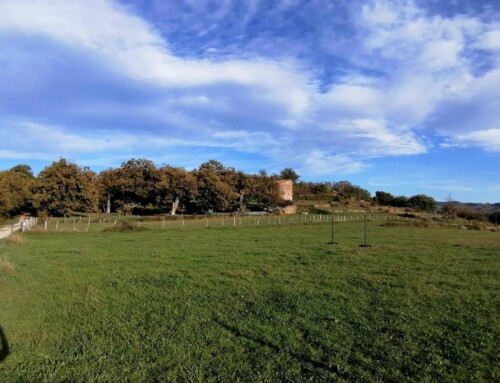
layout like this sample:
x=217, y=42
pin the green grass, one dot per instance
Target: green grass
x=252, y=303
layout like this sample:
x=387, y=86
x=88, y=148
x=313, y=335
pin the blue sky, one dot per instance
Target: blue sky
x=401, y=96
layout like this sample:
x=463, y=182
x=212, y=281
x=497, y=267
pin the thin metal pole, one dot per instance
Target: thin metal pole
x=365, y=243
x=332, y=242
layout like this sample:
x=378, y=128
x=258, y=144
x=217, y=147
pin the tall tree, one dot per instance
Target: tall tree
x=16, y=192
x=176, y=186
x=64, y=187
x=214, y=192
x=110, y=184
x=265, y=192
x=137, y=180
x=244, y=186
x=384, y=198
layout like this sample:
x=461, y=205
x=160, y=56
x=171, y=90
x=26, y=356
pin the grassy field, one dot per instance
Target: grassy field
x=253, y=304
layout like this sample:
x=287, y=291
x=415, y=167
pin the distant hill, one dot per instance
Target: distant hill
x=486, y=208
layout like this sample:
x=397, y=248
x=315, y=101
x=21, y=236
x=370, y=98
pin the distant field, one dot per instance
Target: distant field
x=251, y=303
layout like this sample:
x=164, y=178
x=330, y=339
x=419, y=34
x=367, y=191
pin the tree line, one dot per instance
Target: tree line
x=138, y=185
x=344, y=190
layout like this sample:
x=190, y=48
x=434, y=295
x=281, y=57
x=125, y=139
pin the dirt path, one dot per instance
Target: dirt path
x=7, y=230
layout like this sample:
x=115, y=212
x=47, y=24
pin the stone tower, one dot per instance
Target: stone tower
x=285, y=188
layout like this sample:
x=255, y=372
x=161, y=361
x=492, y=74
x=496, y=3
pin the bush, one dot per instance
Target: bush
x=494, y=218
x=16, y=239
x=410, y=224
x=125, y=226
x=474, y=226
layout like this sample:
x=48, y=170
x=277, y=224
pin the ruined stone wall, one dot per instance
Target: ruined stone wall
x=291, y=209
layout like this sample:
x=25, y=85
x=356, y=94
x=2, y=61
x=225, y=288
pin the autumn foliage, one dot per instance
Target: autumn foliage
x=137, y=185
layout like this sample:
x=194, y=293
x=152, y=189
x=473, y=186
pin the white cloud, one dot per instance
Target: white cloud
x=380, y=139
x=488, y=139
x=428, y=64
x=26, y=137
x=408, y=68
x=321, y=163
x=490, y=40
x=353, y=98
x=130, y=44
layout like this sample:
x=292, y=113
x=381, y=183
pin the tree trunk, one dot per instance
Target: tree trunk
x=108, y=205
x=242, y=206
x=175, y=204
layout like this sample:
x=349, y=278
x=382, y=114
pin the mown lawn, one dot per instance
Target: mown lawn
x=252, y=304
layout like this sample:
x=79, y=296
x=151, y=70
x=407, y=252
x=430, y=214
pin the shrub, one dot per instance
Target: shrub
x=475, y=226
x=125, y=226
x=494, y=218
x=16, y=239
x=410, y=224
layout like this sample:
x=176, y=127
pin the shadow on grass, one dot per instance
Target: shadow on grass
x=4, y=346
x=298, y=356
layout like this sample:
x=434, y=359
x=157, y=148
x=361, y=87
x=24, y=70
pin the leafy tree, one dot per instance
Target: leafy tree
x=213, y=192
x=16, y=192
x=176, y=186
x=383, y=198
x=470, y=214
x=348, y=190
x=243, y=185
x=422, y=202
x=400, y=201
x=64, y=187
x=320, y=188
x=23, y=169
x=136, y=183
x=289, y=174
x=109, y=183
x=265, y=192
x=494, y=218
x=213, y=166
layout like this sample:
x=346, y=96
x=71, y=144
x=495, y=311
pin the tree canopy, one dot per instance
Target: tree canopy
x=139, y=185
x=289, y=174
x=64, y=187
x=16, y=192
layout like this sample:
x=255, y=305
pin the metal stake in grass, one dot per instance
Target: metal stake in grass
x=365, y=244
x=332, y=242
